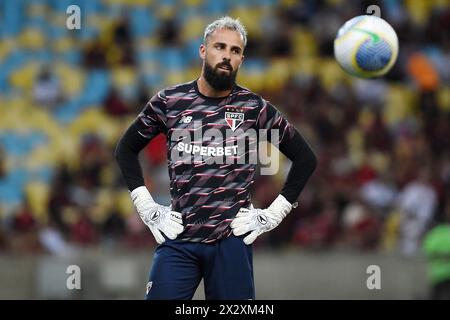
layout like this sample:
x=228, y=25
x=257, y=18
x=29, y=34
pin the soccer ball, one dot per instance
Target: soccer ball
x=366, y=46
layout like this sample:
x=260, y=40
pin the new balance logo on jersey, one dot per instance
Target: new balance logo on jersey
x=185, y=119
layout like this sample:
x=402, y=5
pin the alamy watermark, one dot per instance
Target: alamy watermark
x=73, y=281
x=73, y=21
x=374, y=280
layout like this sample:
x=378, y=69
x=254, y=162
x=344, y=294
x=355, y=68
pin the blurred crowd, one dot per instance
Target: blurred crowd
x=383, y=179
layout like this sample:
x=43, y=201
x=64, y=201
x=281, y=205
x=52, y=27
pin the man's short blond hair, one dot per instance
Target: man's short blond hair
x=226, y=23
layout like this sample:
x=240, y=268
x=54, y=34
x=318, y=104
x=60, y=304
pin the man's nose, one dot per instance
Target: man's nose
x=227, y=55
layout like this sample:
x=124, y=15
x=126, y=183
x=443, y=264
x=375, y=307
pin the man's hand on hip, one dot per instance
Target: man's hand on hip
x=258, y=221
x=157, y=217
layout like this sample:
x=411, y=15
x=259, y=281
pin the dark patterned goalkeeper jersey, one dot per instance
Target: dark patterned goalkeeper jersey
x=211, y=150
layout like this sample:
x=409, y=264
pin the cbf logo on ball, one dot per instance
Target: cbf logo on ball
x=234, y=119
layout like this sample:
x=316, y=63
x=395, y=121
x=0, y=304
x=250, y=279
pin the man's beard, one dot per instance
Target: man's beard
x=220, y=81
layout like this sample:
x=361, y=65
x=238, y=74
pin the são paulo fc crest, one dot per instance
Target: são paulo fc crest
x=234, y=119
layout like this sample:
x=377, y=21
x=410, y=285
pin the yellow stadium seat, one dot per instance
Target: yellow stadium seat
x=288, y=3
x=6, y=47
x=390, y=233
x=366, y=118
x=38, y=194
x=440, y=4
x=400, y=103
x=193, y=28
x=24, y=77
x=250, y=17
x=103, y=205
x=176, y=77
x=57, y=19
x=43, y=121
x=193, y=3
x=63, y=45
x=99, y=22
x=123, y=204
x=37, y=10
x=443, y=97
x=129, y=2
x=71, y=78
x=147, y=43
x=124, y=77
x=278, y=73
x=355, y=142
x=108, y=174
x=95, y=120
x=304, y=43
x=379, y=161
x=253, y=81
x=65, y=146
x=39, y=157
x=304, y=65
x=329, y=72
x=165, y=11
x=419, y=10
x=70, y=215
x=12, y=162
x=32, y=39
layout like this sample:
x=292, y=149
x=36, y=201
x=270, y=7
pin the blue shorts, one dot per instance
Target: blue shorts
x=226, y=267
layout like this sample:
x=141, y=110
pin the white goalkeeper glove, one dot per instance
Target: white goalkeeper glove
x=157, y=217
x=259, y=221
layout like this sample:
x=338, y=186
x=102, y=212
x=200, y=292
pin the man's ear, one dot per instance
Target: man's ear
x=202, y=51
x=242, y=60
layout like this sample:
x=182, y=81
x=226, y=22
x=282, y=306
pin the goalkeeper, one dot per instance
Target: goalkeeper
x=208, y=230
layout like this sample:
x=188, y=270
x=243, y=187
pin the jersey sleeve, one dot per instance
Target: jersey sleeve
x=270, y=118
x=149, y=123
x=152, y=120
x=292, y=144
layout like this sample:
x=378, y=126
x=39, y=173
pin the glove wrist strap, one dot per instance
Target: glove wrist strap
x=280, y=204
x=140, y=194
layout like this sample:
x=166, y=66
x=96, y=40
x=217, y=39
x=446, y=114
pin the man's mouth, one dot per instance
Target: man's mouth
x=225, y=67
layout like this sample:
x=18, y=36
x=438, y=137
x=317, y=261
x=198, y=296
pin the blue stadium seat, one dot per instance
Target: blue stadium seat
x=20, y=145
x=152, y=79
x=143, y=22
x=14, y=144
x=91, y=6
x=86, y=33
x=217, y=7
x=68, y=111
x=36, y=138
x=55, y=32
x=97, y=86
x=43, y=174
x=72, y=57
x=172, y=59
x=10, y=195
x=60, y=6
x=191, y=49
x=12, y=17
x=254, y=65
x=18, y=177
x=37, y=22
x=146, y=55
x=44, y=56
x=13, y=61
